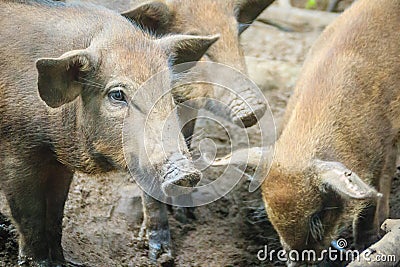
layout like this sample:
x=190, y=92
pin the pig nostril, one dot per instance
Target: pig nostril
x=189, y=180
x=180, y=183
x=248, y=120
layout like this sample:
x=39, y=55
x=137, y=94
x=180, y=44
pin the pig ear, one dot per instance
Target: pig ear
x=58, y=77
x=248, y=10
x=335, y=176
x=153, y=15
x=186, y=48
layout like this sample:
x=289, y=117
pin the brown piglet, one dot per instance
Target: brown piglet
x=338, y=147
x=68, y=77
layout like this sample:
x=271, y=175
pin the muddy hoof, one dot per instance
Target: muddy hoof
x=159, y=245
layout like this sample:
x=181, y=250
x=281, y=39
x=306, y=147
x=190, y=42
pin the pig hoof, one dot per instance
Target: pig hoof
x=160, y=246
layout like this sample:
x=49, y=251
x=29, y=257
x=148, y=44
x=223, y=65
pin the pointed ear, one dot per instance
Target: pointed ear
x=335, y=176
x=154, y=16
x=248, y=10
x=58, y=77
x=186, y=48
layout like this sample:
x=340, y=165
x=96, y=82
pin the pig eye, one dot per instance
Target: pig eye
x=117, y=96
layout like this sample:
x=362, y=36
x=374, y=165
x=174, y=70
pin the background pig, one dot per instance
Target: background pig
x=85, y=63
x=230, y=19
x=338, y=147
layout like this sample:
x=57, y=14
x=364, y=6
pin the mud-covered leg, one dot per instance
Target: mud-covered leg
x=157, y=228
x=26, y=198
x=58, y=182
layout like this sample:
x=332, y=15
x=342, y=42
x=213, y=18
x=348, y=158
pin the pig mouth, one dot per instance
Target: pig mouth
x=180, y=178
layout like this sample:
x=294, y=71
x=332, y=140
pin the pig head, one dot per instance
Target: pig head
x=102, y=80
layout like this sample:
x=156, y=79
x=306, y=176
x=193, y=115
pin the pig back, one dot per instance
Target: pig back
x=346, y=104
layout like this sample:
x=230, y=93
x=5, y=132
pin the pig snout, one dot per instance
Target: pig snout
x=247, y=118
x=180, y=176
x=247, y=113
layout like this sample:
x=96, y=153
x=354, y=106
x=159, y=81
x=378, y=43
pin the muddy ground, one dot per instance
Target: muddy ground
x=103, y=214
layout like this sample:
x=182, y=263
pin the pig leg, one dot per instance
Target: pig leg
x=157, y=228
x=385, y=184
x=26, y=197
x=58, y=183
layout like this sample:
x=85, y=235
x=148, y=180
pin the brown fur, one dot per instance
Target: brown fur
x=41, y=146
x=345, y=109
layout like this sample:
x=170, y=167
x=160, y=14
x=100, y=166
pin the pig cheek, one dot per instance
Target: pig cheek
x=112, y=142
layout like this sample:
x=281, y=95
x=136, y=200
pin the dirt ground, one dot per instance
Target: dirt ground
x=103, y=214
